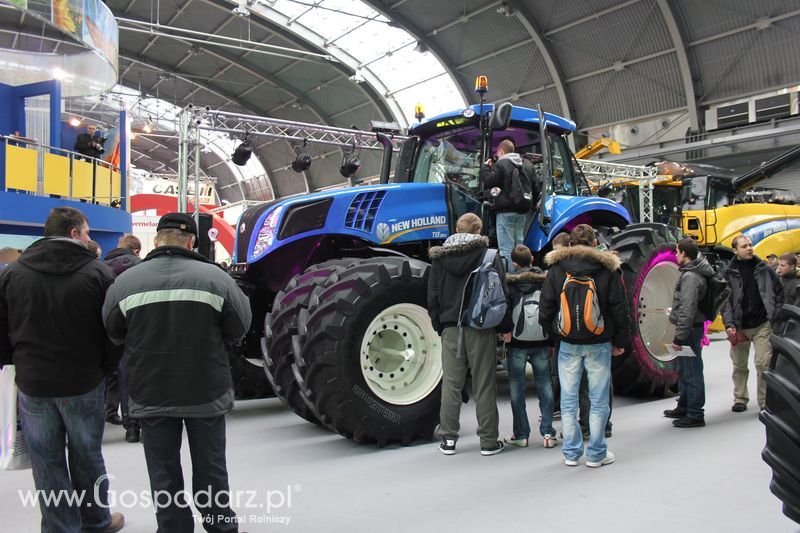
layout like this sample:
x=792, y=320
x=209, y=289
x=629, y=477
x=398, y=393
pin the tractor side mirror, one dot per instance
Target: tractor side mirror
x=501, y=117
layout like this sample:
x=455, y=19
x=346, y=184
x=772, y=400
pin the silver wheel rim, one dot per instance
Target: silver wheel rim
x=401, y=355
x=655, y=301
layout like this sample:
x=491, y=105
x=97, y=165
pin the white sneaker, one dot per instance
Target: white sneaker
x=513, y=441
x=607, y=460
x=550, y=441
x=570, y=462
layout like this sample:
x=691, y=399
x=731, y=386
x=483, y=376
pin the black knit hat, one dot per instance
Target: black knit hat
x=181, y=221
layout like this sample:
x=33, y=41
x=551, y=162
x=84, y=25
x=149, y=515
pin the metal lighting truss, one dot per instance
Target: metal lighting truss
x=617, y=172
x=194, y=120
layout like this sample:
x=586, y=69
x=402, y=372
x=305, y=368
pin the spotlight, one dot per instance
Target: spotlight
x=75, y=122
x=242, y=153
x=350, y=164
x=302, y=162
x=147, y=128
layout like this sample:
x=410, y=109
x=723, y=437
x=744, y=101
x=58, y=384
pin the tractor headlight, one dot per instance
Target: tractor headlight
x=267, y=232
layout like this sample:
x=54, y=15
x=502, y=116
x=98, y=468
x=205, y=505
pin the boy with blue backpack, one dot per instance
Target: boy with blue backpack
x=468, y=306
x=528, y=343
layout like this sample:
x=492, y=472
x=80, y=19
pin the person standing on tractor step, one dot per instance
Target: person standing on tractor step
x=689, y=323
x=175, y=312
x=120, y=259
x=756, y=297
x=787, y=270
x=51, y=328
x=451, y=266
x=514, y=200
x=583, y=304
x=528, y=343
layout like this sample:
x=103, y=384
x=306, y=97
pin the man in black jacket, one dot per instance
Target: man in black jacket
x=51, y=328
x=585, y=344
x=689, y=331
x=88, y=144
x=756, y=297
x=511, y=208
x=175, y=312
x=120, y=259
x=450, y=271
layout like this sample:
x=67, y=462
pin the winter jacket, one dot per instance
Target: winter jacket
x=790, y=294
x=450, y=270
x=769, y=287
x=500, y=176
x=51, y=325
x=603, y=267
x=686, y=298
x=121, y=259
x=175, y=312
x=520, y=283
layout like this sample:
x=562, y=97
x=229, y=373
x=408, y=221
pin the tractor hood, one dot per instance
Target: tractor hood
x=376, y=214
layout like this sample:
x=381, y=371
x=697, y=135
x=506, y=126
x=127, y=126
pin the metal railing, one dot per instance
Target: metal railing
x=23, y=142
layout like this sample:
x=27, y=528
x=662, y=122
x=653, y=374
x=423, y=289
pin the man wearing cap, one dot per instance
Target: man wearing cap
x=175, y=312
x=772, y=262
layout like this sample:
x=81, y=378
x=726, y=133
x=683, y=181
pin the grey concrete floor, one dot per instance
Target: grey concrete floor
x=664, y=479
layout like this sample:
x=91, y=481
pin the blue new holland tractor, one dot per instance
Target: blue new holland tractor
x=338, y=280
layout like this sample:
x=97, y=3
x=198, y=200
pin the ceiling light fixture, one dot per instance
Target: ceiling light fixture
x=75, y=122
x=242, y=153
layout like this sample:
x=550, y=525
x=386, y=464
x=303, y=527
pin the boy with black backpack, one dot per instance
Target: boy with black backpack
x=584, y=304
x=468, y=318
x=528, y=343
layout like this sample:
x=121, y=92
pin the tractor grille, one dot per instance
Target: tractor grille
x=363, y=209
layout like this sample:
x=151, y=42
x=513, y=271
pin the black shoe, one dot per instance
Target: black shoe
x=114, y=419
x=493, y=450
x=133, y=433
x=739, y=407
x=687, y=422
x=678, y=412
x=447, y=446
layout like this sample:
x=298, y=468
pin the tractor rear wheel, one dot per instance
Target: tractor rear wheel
x=781, y=415
x=650, y=272
x=281, y=325
x=371, y=363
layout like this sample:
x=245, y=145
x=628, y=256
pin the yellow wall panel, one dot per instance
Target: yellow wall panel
x=116, y=185
x=82, y=177
x=56, y=175
x=102, y=188
x=22, y=166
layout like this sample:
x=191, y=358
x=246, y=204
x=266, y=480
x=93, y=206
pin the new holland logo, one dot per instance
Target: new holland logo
x=382, y=231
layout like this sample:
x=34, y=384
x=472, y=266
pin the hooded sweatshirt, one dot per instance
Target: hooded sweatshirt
x=121, y=259
x=51, y=324
x=603, y=267
x=689, y=291
x=520, y=283
x=500, y=176
x=451, y=266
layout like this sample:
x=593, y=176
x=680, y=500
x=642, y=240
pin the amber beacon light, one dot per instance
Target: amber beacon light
x=481, y=84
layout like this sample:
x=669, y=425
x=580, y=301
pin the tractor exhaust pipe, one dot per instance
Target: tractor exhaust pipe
x=386, y=163
x=765, y=170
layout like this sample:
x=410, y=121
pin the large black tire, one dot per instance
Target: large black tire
x=641, y=371
x=281, y=325
x=781, y=415
x=248, y=377
x=332, y=331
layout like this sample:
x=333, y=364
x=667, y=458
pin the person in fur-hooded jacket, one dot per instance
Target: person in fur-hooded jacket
x=450, y=270
x=593, y=353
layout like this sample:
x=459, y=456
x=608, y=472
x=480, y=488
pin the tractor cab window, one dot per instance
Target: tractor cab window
x=693, y=193
x=440, y=161
x=567, y=179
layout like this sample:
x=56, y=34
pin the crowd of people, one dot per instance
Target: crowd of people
x=67, y=320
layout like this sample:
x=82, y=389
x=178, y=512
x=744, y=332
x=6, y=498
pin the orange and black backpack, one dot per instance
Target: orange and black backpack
x=579, y=315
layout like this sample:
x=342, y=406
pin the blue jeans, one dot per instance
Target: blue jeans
x=77, y=423
x=572, y=359
x=540, y=361
x=510, y=232
x=162, y=438
x=691, y=383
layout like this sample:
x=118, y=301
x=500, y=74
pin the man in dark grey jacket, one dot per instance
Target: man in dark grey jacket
x=756, y=298
x=175, y=312
x=688, y=319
